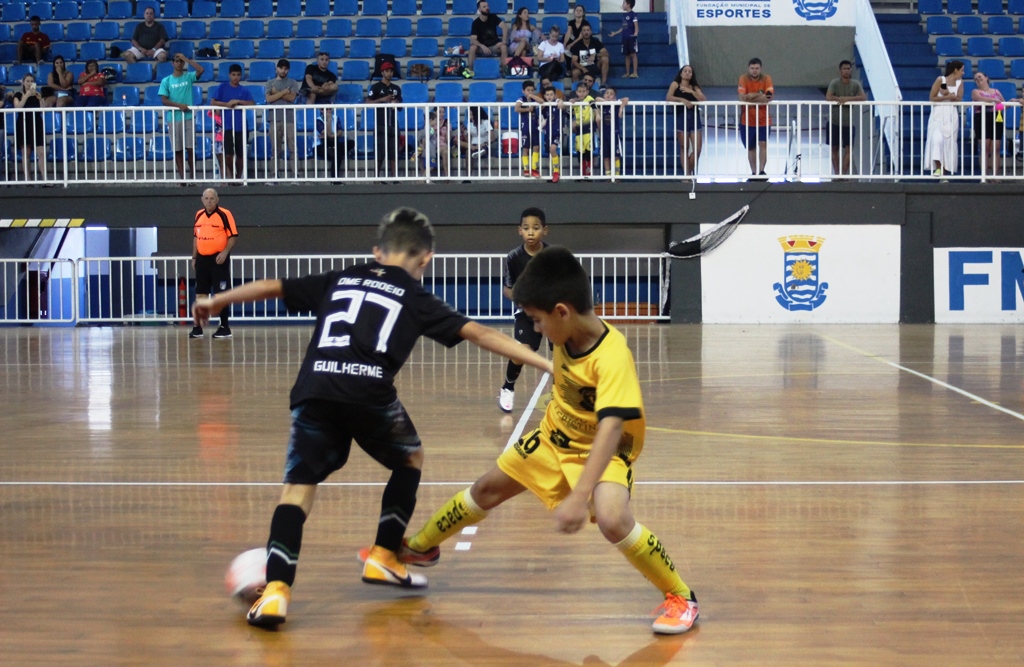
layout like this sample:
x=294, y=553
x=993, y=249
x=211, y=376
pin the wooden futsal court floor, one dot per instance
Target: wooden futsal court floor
x=844, y=495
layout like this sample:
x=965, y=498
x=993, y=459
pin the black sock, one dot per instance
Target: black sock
x=284, y=543
x=511, y=375
x=396, y=507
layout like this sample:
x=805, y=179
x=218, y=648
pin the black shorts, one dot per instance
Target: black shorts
x=992, y=129
x=839, y=135
x=524, y=332
x=234, y=142
x=322, y=434
x=629, y=46
x=212, y=277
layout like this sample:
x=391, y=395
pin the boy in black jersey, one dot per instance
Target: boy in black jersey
x=369, y=317
x=533, y=227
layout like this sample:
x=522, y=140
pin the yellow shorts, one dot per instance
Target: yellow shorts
x=551, y=472
x=583, y=143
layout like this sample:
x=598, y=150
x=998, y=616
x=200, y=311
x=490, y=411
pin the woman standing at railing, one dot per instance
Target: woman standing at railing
x=29, y=132
x=685, y=91
x=940, y=151
x=988, y=121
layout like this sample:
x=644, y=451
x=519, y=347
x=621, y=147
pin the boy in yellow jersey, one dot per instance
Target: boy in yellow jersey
x=580, y=459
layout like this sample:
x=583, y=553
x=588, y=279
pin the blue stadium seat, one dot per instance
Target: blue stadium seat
x=93, y=51
x=302, y=49
x=487, y=68
x=398, y=27
x=306, y=28
x=241, y=49
x=403, y=7
x=119, y=10
x=175, y=9
x=66, y=11
x=439, y=8
x=1017, y=68
x=1000, y=25
x=125, y=96
x=930, y=6
x=336, y=47
x=1011, y=47
x=271, y=48
x=12, y=12
x=463, y=7
x=288, y=8
x=305, y=120
x=129, y=149
x=396, y=46
x=483, y=92
x=532, y=6
x=258, y=92
x=460, y=26
x=109, y=122
x=204, y=148
x=448, y=92
x=1007, y=88
x=429, y=27
x=967, y=25
x=346, y=8
x=260, y=9
x=53, y=30
x=160, y=149
x=63, y=151
x=556, y=7
x=415, y=93
x=452, y=42
x=251, y=29
x=980, y=47
x=563, y=25
x=79, y=122
x=151, y=96
x=15, y=73
x=221, y=29
x=305, y=146
x=993, y=68
x=499, y=7
x=128, y=29
x=66, y=50
x=138, y=72
x=355, y=70
x=184, y=47
x=339, y=28
x=44, y=10
x=317, y=8
x=51, y=122
x=359, y=48
x=375, y=7
x=990, y=7
x=222, y=70
x=368, y=28
x=424, y=47
x=145, y=122
x=203, y=9
x=959, y=7
x=352, y=93
x=282, y=28
x=1016, y=7
x=594, y=6
x=411, y=62
x=949, y=46
x=97, y=149
x=5, y=33
x=142, y=5
x=262, y=70
x=968, y=74
x=92, y=9
x=106, y=31
x=192, y=30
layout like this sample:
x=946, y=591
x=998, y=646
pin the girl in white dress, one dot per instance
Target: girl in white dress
x=940, y=152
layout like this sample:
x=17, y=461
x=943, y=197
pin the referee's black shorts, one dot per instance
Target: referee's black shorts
x=212, y=277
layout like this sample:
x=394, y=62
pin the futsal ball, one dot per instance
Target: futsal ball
x=247, y=576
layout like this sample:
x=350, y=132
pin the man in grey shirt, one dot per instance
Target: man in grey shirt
x=149, y=40
x=282, y=90
x=841, y=130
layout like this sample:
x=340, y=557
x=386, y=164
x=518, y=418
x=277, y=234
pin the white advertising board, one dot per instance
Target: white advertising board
x=979, y=285
x=771, y=12
x=803, y=273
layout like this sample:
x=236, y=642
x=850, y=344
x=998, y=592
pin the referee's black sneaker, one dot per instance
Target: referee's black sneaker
x=222, y=332
x=197, y=332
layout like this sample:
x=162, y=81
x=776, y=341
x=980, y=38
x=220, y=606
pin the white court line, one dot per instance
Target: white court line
x=942, y=384
x=518, y=430
x=894, y=482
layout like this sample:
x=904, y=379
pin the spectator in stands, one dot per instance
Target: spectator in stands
x=282, y=90
x=613, y=130
x=385, y=93
x=574, y=32
x=582, y=111
x=29, y=133
x=232, y=94
x=148, y=40
x=630, y=34
x=552, y=115
x=592, y=84
x=320, y=85
x=940, y=151
x=59, y=91
x=685, y=92
x=434, y=145
x=34, y=45
x=840, y=128
x=176, y=92
x=91, y=90
x=988, y=121
x=528, y=108
x=756, y=90
x=523, y=35
x=479, y=136
x=589, y=56
x=546, y=83
x=551, y=57
x=485, y=35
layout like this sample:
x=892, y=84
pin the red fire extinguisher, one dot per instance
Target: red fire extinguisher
x=182, y=299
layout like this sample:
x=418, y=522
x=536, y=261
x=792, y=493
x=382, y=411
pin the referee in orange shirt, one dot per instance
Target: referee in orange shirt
x=213, y=238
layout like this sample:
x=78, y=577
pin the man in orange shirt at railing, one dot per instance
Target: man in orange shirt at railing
x=214, y=235
x=756, y=90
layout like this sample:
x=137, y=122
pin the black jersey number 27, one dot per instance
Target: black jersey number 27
x=356, y=298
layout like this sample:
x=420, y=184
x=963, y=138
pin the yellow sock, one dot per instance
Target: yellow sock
x=460, y=511
x=554, y=163
x=645, y=552
x=525, y=158
x=618, y=166
x=535, y=162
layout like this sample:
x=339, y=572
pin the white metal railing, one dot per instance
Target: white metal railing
x=160, y=289
x=648, y=140
x=37, y=290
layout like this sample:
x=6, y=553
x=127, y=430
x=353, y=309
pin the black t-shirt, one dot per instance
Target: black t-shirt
x=486, y=31
x=515, y=264
x=319, y=76
x=587, y=54
x=368, y=319
x=386, y=116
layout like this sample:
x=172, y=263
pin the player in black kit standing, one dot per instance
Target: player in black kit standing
x=369, y=317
